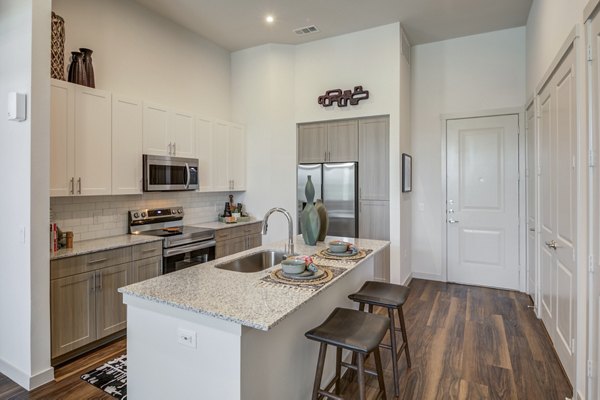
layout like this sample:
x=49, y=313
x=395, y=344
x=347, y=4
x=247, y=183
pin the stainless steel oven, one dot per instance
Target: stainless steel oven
x=164, y=174
x=183, y=246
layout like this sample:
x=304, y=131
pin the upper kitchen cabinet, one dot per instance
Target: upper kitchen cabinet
x=228, y=166
x=80, y=140
x=204, y=152
x=126, y=145
x=374, y=159
x=168, y=133
x=335, y=141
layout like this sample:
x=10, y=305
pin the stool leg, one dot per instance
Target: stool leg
x=361, y=307
x=319, y=374
x=371, y=308
x=394, y=349
x=361, y=377
x=404, y=335
x=379, y=370
x=338, y=370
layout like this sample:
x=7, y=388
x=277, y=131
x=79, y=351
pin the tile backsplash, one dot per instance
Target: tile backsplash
x=92, y=217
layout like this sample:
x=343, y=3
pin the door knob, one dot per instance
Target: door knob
x=552, y=244
x=450, y=211
x=453, y=221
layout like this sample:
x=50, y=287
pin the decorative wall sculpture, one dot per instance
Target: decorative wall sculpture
x=342, y=98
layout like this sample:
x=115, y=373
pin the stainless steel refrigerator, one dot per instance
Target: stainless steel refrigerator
x=337, y=185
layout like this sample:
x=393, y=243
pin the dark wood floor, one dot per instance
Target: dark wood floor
x=466, y=342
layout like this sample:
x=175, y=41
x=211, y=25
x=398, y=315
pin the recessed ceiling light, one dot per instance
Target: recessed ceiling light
x=270, y=19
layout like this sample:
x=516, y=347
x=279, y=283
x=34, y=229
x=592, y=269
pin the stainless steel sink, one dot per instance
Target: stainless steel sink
x=253, y=262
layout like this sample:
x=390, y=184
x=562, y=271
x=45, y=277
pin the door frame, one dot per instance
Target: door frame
x=520, y=113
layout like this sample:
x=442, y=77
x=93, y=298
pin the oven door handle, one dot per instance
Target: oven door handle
x=187, y=177
x=190, y=247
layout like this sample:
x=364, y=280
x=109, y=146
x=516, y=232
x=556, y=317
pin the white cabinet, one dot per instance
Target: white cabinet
x=126, y=145
x=168, y=133
x=80, y=140
x=221, y=151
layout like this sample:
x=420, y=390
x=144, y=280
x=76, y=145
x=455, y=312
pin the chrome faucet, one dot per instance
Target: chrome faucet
x=265, y=226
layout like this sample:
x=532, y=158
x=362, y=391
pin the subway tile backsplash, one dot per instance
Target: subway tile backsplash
x=92, y=217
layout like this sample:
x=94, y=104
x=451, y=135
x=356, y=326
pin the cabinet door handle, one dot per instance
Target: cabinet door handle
x=232, y=184
x=79, y=185
x=174, y=148
x=325, y=156
x=72, y=185
x=97, y=261
x=329, y=156
x=93, y=286
x=99, y=280
x=169, y=148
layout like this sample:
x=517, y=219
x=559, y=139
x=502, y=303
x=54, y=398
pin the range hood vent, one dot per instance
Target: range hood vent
x=306, y=30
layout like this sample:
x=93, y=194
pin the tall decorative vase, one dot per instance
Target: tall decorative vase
x=77, y=69
x=89, y=68
x=323, y=218
x=309, y=218
x=57, y=49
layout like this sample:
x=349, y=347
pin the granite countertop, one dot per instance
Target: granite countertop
x=235, y=296
x=221, y=225
x=107, y=243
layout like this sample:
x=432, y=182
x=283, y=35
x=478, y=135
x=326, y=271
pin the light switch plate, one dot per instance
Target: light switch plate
x=17, y=106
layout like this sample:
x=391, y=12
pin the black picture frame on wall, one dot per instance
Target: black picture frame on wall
x=406, y=173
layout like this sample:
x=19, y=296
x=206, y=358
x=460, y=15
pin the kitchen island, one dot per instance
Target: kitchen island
x=209, y=333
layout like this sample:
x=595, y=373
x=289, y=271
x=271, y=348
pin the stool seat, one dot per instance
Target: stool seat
x=352, y=330
x=381, y=294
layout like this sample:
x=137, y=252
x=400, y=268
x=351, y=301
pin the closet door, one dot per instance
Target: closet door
x=594, y=209
x=530, y=174
x=558, y=206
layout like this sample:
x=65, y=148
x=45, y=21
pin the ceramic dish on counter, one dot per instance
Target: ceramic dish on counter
x=293, y=266
x=306, y=275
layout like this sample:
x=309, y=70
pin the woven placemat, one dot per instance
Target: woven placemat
x=277, y=278
x=362, y=253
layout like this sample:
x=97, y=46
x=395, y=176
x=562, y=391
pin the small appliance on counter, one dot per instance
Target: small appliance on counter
x=183, y=246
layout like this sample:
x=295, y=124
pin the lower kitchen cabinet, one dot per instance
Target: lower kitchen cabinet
x=146, y=269
x=73, y=311
x=374, y=220
x=235, y=239
x=85, y=305
x=111, y=313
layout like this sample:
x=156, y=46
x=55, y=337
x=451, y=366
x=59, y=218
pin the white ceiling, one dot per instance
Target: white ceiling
x=239, y=24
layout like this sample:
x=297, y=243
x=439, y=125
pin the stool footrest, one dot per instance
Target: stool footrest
x=330, y=395
x=355, y=368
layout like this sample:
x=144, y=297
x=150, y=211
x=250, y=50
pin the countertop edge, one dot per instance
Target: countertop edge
x=103, y=244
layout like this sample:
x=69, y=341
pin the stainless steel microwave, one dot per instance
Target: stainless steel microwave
x=166, y=174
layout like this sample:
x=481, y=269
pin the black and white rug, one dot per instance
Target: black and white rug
x=110, y=377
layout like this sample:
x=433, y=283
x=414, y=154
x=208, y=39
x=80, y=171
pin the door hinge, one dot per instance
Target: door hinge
x=591, y=266
x=590, y=368
x=592, y=158
x=573, y=345
x=590, y=56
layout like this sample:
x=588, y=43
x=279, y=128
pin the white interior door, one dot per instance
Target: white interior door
x=594, y=210
x=531, y=192
x=483, y=201
x=558, y=210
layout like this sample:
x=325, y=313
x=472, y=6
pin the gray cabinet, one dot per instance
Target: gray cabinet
x=374, y=220
x=238, y=238
x=111, y=313
x=373, y=159
x=73, y=311
x=335, y=141
x=85, y=305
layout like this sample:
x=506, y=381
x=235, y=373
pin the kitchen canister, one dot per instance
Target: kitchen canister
x=57, y=49
x=323, y=218
x=309, y=218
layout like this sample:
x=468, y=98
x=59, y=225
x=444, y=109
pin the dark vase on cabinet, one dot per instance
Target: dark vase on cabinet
x=89, y=67
x=77, y=69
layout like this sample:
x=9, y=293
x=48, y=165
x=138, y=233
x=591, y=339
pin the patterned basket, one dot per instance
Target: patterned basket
x=57, y=63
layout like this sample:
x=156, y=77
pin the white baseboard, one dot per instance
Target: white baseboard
x=408, y=279
x=428, y=276
x=23, y=379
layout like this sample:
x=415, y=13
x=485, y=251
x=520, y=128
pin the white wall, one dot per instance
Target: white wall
x=263, y=97
x=24, y=264
x=548, y=25
x=468, y=74
x=293, y=77
x=405, y=147
x=141, y=54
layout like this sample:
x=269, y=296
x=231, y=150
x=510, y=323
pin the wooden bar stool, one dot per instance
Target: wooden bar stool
x=392, y=297
x=352, y=330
